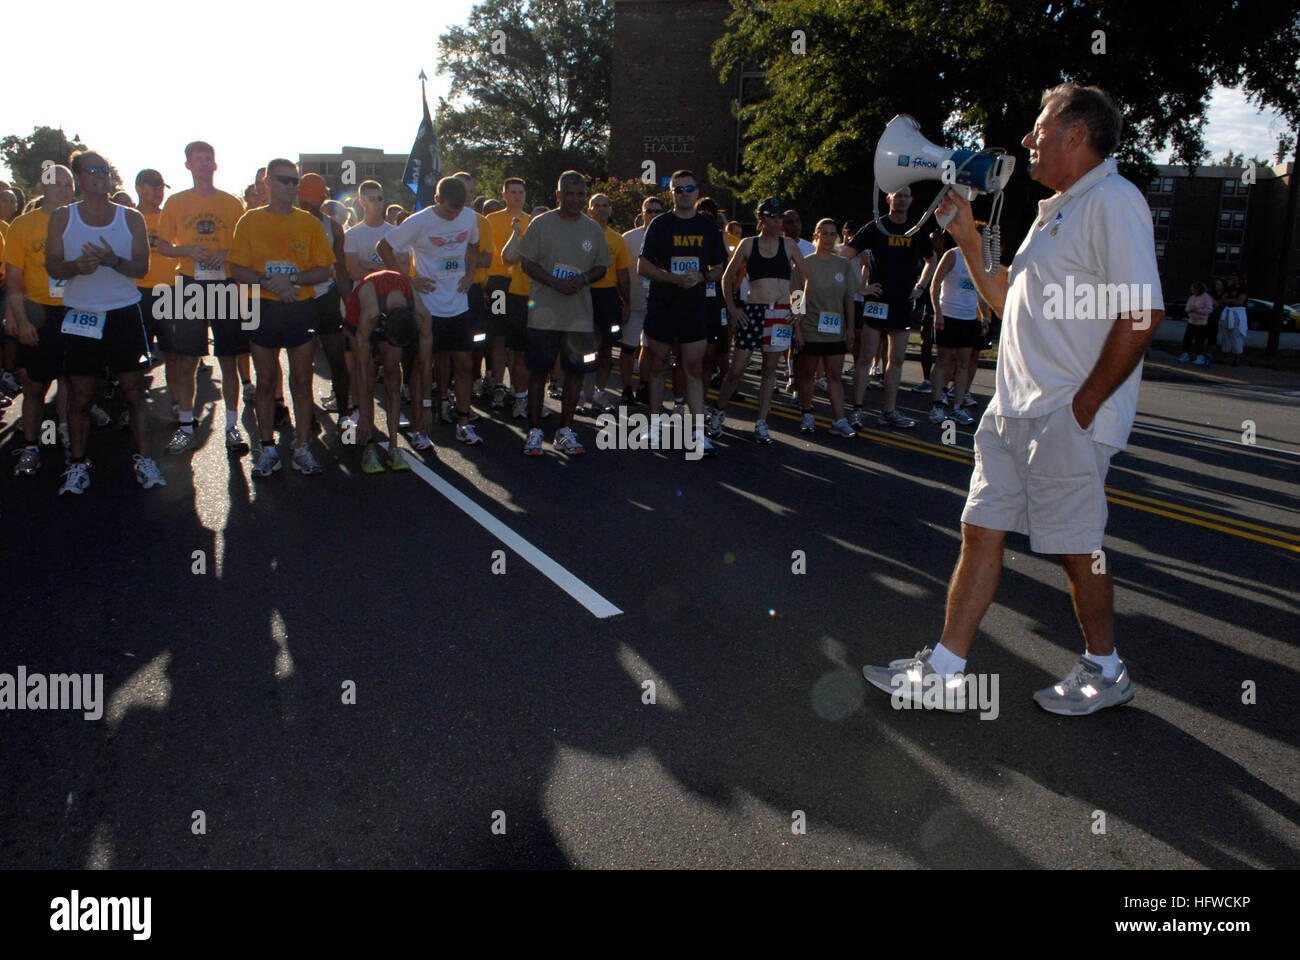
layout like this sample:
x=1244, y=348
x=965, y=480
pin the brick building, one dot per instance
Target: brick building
x=667, y=104
x=371, y=164
x=1212, y=225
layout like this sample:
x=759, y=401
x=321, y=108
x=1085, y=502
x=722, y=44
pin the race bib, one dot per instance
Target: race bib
x=875, y=311
x=281, y=267
x=450, y=265
x=781, y=336
x=968, y=284
x=84, y=323
x=829, y=323
x=563, y=271
x=710, y=289
x=375, y=257
x=56, y=288
x=209, y=273
x=679, y=265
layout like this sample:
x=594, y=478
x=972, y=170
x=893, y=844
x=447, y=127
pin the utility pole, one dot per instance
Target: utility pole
x=1288, y=229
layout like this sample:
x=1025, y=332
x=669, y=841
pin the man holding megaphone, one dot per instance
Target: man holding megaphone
x=1080, y=302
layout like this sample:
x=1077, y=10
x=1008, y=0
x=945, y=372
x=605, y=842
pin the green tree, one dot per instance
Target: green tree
x=1285, y=147
x=625, y=198
x=529, y=94
x=972, y=75
x=25, y=155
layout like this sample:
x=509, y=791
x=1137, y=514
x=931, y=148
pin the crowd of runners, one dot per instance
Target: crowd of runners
x=471, y=301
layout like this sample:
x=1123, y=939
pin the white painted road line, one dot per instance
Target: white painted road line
x=562, y=578
x=1222, y=441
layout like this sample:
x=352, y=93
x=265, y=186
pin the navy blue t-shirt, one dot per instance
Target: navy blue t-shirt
x=675, y=244
x=899, y=259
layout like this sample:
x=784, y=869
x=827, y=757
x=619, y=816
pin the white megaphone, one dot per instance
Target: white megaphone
x=904, y=156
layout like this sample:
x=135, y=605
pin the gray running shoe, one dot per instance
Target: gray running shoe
x=892, y=418
x=147, y=472
x=180, y=441
x=761, y=435
x=841, y=428
x=962, y=417
x=918, y=683
x=268, y=461
x=1085, y=690
x=808, y=424
x=857, y=419
x=29, y=462
x=714, y=428
x=235, y=441
x=75, y=479
x=938, y=413
x=304, y=462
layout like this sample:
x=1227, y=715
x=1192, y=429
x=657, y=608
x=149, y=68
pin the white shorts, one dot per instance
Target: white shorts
x=632, y=329
x=1041, y=476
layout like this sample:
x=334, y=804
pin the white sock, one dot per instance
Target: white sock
x=187, y=421
x=945, y=662
x=1109, y=665
x=522, y=396
x=231, y=417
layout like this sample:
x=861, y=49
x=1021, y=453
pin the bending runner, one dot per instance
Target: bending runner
x=443, y=239
x=769, y=262
x=283, y=251
x=825, y=328
x=34, y=310
x=109, y=249
x=197, y=226
x=385, y=316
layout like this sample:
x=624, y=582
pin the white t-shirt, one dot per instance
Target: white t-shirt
x=361, y=240
x=806, y=247
x=957, y=296
x=438, y=247
x=640, y=285
x=1061, y=304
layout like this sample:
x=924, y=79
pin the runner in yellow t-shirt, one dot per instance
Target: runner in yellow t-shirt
x=34, y=312
x=610, y=297
x=196, y=227
x=283, y=251
x=508, y=288
x=149, y=188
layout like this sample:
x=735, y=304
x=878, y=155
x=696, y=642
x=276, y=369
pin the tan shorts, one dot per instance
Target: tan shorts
x=1040, y=476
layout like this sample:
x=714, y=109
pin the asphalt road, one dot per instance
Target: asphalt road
x=489, y=699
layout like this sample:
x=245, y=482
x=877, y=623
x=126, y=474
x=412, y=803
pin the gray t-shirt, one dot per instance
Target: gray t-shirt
x=829, y=280
x=563, y=248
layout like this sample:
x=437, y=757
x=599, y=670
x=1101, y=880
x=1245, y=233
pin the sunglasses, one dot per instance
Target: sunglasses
x=654, y=211
x=690, y=189
x=287, y=180
x=95, y=168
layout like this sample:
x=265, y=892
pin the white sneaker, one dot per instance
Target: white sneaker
x=147, y=472
x=566, y=441
x=268, y=461
x=1184, y=358
x=808, y=424
x=304, y=462
x=421, y=441
x=521, y=408
x=468, y=435
x=75, y=479
x=533, y=445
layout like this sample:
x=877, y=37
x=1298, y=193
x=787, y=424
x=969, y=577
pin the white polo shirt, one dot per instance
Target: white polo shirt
x=1062, y=301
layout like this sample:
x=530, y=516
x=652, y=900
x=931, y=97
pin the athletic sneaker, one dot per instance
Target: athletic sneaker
x=268, y=461
x=714, y=424
x=875, y=370
x=858, y=418
x=75, y=479
x=521, y=408
x=962, y=417
x=969, y=401
x=841, y=428
x=147, y=472
x=396, y=461
x=556, y=391
x=370, y=462
x=1085, y=690
x=99, y=417
x=760, y=433
x=1184, y=358
x=499, y=397
x=1199, y=362
x=566, y=441
x=9, y=383
x=421, y=441
x=180, y=441
x=923, y=387
x=909, y=680
x=468, y=435
x=808, y=424
x=892, y=418
x=533, y=445
x=329, y=404
x=938, y=413
x=29, y=462
x=304, y=462
x=235, y=441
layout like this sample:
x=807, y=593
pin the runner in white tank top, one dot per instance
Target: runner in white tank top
x=101, y=248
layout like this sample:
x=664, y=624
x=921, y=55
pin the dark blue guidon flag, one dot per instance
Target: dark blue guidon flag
x=423, y=166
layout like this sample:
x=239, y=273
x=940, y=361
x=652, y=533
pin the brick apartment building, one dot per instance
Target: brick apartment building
x=667, y=104
x=1212, y=225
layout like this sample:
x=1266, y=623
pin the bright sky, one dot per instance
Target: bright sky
x=170, y=74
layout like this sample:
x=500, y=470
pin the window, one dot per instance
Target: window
x=1229, y=186
x=1225, y=221
x=1221, y=252
x=1161, y=216
x=1234, y=252
x=1167, y=185
x=1160, y=250
x=1238, y=221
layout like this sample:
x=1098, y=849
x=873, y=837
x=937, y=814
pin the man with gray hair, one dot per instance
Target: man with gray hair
x=1068, y=373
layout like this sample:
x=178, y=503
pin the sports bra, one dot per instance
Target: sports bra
x=758, y=267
